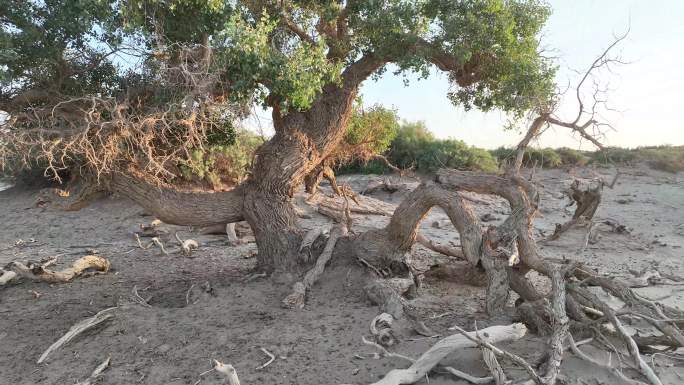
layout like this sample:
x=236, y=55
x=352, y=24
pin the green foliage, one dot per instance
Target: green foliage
x=370, y=132
x=416, y=147
x=57, y=44
x=541, y=157
x=295, y=76
x=178, y=21
x=375, y=128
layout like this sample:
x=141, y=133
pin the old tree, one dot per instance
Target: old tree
x=122, y=97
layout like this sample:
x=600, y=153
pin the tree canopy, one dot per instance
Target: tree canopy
x=197, y=65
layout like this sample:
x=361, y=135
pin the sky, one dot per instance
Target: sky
x=646, y=93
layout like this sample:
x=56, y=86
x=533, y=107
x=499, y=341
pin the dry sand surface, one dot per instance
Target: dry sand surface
x=189, y=322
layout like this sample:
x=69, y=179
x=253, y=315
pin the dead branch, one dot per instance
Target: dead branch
x=77, y=329
x=386, y=353
x=486, y=342
x=441, y=349
x=90, y=264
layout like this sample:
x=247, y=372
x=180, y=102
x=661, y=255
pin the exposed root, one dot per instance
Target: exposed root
x=444, y=347
x=77, y=329
x=442, y=249
x=228, y=371
x=97, y=372
x=297, y=298
x=90, y=264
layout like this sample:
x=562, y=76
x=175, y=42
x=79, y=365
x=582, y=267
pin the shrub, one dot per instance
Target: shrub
x=664, y=158
x=570, y=157
x=546, y=157
x=613, y=155
x=416, y=146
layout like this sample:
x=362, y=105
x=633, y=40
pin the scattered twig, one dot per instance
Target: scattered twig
x=270, y=356
x=137, y=298
x=77, y=329
x=187, y=294
x=97, y=372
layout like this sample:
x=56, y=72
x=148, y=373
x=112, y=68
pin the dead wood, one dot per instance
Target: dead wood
x=86, y=324
x=381, y=329
x=90, y=264
x=7, y=276
x=444, y=347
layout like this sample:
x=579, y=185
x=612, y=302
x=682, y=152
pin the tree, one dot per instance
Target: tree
x=305, y=60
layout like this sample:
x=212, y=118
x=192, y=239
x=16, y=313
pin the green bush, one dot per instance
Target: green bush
x=541, y=157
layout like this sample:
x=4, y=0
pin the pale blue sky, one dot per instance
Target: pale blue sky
x=648, y=92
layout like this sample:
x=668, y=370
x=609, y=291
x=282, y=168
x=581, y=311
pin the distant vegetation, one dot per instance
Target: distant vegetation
x=415, y=146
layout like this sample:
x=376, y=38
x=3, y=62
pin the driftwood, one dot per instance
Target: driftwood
x=90, y=264
x=441, y=349
x=77, y=329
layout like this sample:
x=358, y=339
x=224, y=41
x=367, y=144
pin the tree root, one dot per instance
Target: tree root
x=441, y=349
x=88, y=265
x=77, y=329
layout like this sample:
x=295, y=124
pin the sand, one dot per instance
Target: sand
x=173, y=340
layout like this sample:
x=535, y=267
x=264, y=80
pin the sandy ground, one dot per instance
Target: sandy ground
x=173, y=340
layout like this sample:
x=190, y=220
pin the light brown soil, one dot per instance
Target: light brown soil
x=172, y=342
